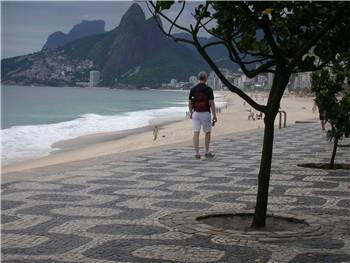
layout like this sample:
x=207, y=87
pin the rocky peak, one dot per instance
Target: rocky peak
x=133, y=16
x=84, y=29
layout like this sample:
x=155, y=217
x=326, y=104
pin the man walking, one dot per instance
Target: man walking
x=200, y=105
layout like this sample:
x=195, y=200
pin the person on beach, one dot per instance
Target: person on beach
x=322, y=116
x=322, y=120
x=201, y=105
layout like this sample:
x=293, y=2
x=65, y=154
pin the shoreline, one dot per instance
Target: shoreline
x=231, y=119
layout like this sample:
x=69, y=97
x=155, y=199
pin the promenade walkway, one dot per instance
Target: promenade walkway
x=120, y=208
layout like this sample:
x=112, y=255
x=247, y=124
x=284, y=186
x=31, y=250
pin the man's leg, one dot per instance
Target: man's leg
x=207, y=141
x=196, y=142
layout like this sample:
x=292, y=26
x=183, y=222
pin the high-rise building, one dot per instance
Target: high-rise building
x=94, y=78
x=192, y=80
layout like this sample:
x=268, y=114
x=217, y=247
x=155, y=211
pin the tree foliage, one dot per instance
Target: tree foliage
x=333, y=100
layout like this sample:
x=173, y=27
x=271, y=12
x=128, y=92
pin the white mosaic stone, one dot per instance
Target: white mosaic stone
x=21, y=241
x=185, y=178
x=179, y=253
x=305, y=171
x=25, y=221
x=35, y=186
x=272, y=199
x=290, y=183
x=86, y=211
x=138, y=203
x=146, y=184
x=142, y=192
x=281, y=177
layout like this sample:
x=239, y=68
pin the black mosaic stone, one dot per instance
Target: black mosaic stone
x=278, y=190
x=57, y=244
x=7, y=204
x=154, y=177
x=40, y=209
x=233, y=253
x=119, y=175
x=312, y=243
x=70, y=188
x=127, y=230
x=156, y=170
x=335, y=179
x=108, y=190
x=338, y=173
x=217, y=180
x=331, y=193
x=242, y=170
x=7, y=219
x=111, y=182
x=325, y=185
x=320, y=258
x=224, y=197
x=344, y=203
x=221, y=188
x=58, y=198
x=310, y=200
x=133, y=213
x=182, y=205
x=251, y=182
x=179, y=195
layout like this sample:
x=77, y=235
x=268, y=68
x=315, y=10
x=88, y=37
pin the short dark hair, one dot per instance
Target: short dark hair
x=202, y=76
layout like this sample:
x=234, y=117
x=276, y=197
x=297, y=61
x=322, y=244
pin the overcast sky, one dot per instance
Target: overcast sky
x=25, y=25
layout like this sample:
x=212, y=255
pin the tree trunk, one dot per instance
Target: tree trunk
x=335, y=146
x=280, y=82
x=259, y=220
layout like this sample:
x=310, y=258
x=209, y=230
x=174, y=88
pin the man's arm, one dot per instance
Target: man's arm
x=213, y=110
x=190, y=108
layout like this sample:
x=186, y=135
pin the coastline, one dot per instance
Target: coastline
x=231, y=119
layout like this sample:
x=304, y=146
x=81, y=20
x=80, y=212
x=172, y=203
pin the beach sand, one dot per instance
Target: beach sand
x=232, y=119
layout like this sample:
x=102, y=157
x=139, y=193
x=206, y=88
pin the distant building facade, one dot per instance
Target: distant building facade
x=94, y=78
x=300, y=81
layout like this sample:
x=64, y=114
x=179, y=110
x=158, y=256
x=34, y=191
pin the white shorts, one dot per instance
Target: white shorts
x=201, y=119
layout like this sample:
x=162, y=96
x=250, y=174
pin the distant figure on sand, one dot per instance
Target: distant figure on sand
x=322, y=115
x=201, y=105
x=322, y=119
x=251, y=115
x=258, y=116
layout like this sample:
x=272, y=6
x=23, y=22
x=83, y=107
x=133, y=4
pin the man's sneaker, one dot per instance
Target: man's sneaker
x=197, y=156
x=209, y=155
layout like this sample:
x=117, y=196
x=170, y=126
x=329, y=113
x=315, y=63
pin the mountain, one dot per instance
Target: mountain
x=85, y=28
x=135, y=53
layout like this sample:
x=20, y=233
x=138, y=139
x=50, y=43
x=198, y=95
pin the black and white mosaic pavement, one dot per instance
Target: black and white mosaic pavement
x=110, y=209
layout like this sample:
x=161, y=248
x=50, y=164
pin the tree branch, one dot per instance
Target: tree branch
x=199, y=19
x=228, y=84
x=265, y=25
x=177, y=17
x=213, y=44
x=176, y=39
x=315, y=68
x=249, y=73
x=165, y=17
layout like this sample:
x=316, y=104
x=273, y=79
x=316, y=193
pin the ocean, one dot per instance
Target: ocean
x=34, y=118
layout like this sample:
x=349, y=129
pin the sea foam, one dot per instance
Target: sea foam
x=21, y=143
